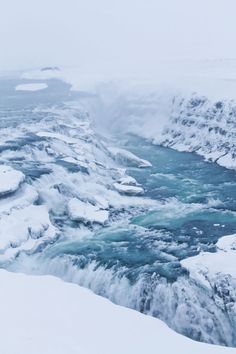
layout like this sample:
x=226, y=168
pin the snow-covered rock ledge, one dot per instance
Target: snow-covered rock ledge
x=185, y=121
x=207, y=266
x=46, y=315
x=10, y=180
x=216, y=274
x=202, y=125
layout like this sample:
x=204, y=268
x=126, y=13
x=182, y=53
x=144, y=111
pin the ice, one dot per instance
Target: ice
x=129, y=186
x=101, y=202
x=58, y=136
x=227, y=243
x=126, y=156
x=31, y=87
x=128, y=180
x=227, y=160
x=10, y=179
x=128, y=189
x=86, y=212
x=24, y=196
x=206, y=266
x=23, y=225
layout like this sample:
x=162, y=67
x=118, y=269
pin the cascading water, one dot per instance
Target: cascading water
x=134, y=258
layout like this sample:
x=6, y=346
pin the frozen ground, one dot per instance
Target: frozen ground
x=63, y=318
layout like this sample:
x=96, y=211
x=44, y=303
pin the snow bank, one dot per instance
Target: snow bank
x=25, y=196
x=206, y=266
x=58, y=136
x=10, y=179
x=31, y=87
x=128, y=180
x=45, y=315
x=128, y=189
x=129, y=186
x=215, y=273
x=126, y=156
x=86, y=212
x=21, y=230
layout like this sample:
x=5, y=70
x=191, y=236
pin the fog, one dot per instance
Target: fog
x=120, y=34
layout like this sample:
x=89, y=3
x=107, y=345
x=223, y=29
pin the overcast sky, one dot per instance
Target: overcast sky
x=117, y=33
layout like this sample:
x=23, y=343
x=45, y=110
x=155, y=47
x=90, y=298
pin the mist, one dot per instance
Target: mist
x=122, y=36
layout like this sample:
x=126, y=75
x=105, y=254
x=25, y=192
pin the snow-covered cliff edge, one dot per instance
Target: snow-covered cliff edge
x=45, y=315
x=189, y=106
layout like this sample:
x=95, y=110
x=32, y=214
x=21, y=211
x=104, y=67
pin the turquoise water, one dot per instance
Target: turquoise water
x=196, y=206
x=135, y=261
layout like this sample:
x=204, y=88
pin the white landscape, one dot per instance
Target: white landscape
x=70, y=319
x=31, y=87
x=117, y=177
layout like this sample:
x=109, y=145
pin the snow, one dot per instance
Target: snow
x=227, y=243
x=31, y=87
x=46, y=315
x=101, y=202
x=128, y=189
x=227, y=161
x=207, y=266
x=186, y=105
x=22, y=228
x=10, y=179
x=129, y=186
x=59, y=317
x=128, y=180
x=58, y=136
x=126, y=156
x=24, y=196
x=86, y=212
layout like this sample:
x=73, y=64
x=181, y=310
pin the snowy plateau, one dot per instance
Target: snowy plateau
x=87, y=195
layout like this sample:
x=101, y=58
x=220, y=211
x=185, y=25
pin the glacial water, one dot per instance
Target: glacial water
x=135, y=259
x=196, y=206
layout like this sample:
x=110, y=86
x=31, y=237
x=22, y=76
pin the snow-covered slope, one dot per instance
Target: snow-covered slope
x=185, y=122
x=204, y=126
x=45, y=315
x=208, y=265
x=180, y=119
x=216, y=274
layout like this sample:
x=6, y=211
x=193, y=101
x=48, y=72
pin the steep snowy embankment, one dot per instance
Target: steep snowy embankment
x=216, y=274
x=182, y=120
x=45, y=315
